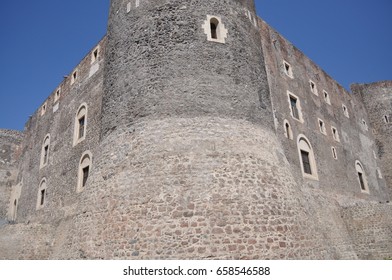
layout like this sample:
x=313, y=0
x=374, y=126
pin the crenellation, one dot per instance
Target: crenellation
x=196, y=131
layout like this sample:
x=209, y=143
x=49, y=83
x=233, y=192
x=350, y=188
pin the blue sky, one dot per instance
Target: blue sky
x=43, y=40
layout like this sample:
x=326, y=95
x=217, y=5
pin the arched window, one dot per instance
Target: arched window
x=214, y=27
x=287, y=130
x=80, y=124
x=45, y=151
x=307, y=159
x=361, y=177
x=84, y=171
x=42, y=193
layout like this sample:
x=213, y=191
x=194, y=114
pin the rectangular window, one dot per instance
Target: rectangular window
x=313, y=87
x=322, y=127
x=42, y=197
x=360, y=176
x=81, y=127
x=46, y=149
x=294, y=108
x=287, y=69
x=306, y=162
x=85, y=175
x=386, y=119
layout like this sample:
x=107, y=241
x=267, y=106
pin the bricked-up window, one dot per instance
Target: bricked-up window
x=288, y=69
x=45, y=151
x=42, y=193
x=84, y=171
x=361, y=177
x=80, y=128
x=307, y=159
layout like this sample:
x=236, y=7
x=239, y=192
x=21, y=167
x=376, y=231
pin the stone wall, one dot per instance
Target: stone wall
x=377, y=98
x=356, y=140
x=9, y=155
x=370, y=227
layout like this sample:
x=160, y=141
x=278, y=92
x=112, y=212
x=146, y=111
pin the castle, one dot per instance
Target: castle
x=194, y=130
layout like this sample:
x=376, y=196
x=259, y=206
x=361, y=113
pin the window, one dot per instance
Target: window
x=295, y=107
x=42, y=193
x=214, y=29
x=84, y=171
x=43, y=109
x=326, y=97
x=361, y=177
x=74, y=77
x=80, y=124
x=57, y=96
x=287, y=130
x=334, y=153
x=307, y=159
x=313, y=87
x=94, y=55
x=287, y=69
x=345, y=111
x=364, y=125
x=45, y=152
x=386, y=119
x=323, y=130
x=335, y=134
x=14, y=210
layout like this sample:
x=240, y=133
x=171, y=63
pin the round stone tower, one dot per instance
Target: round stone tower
x=189, y=165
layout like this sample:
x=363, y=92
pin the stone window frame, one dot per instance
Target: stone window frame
x=303, y=145
x=44, y=108
x=74, y=76
x=322, y=126
x=44, y=158
x=95, y=54
x=288, y=132
x=313, y=87
x=327, y=98
x=334, y=153
x=335, y=134
x=57, y=95
x=364, y=125
x=85, y=161
x=290, y=96
x=288, y=69
x=221, y=31
x=42, y=194
x=362, y=179
x=80, y=113
x=345, y=111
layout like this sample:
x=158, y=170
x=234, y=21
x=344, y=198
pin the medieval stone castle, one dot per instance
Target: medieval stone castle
x=194, y=130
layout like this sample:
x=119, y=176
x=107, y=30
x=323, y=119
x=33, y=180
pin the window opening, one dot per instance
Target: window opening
x=294, y=108
x=42, y=197
x=306, y=162
x=214, y=26
x=85, y=175
x=81, y=127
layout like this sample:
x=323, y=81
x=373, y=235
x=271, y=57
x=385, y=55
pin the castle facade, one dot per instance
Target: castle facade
x=193, y=130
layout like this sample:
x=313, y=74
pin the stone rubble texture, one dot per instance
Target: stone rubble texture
x=189, y=155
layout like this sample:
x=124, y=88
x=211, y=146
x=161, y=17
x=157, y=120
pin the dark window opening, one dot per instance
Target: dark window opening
x=95, y=54
x=287, y=67
x=81, y=127
x=42, y=196
x=361, y=181
x=15, y=202
x=306, y=162
x=46, y=149
x=214, y=27
x=334, y=153
x=294, y=109
x=85, y=175
x=386, y=119
x=288, y=130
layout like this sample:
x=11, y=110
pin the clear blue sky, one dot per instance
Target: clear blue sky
x=43, y=40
